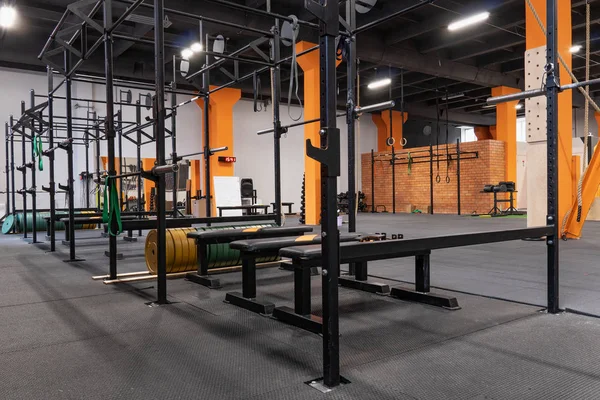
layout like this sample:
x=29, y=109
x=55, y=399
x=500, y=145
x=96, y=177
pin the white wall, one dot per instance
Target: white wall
x=255, y=157
x=254, y=153
x=16, y=86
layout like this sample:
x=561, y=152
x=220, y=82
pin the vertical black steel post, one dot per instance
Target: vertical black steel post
x=430, y=177
x=393, y=148
x=51, y=158
x=97, y=148
x=351, y=72
x=373, y=210
x=33, y=173
x=12, y=173
x=458, y=174
x=552, y=90
x=276, y=98
x=159, y=129
x=138, y=121
x=87, y=168
x=24, y=175
x=174, y=135
x=71, y=180
x=206, y=122
x=110, y=130
x=330, y=169
x=7, y=169
x=120, y=144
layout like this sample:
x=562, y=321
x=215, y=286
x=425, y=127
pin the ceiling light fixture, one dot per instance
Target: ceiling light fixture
x=575, y=49
x=380, y=83
x=474, y=19
x=196, y=47
x=519, y=106
x=187, y=53
x=489, y=106
x=8, y=16
x=455, y=96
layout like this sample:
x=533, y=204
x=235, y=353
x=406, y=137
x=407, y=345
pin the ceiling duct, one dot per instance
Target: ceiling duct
x=142, y=19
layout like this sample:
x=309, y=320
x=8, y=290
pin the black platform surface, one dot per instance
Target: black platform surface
x=65, y=336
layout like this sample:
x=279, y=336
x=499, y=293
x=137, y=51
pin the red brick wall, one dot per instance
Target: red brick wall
x=413, y=189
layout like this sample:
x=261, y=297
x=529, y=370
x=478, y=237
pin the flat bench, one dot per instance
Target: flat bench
x=256, y=248
x=204, y=239
x=252, y=209
x=306, y=257
x=286, y=204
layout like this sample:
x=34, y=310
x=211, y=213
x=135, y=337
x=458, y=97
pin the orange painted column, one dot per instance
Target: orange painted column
x=312, y=169
x=396, y=128
x=382, y=132
x=147, y=165
x=220, y=114
x=506, y=131
x=535, y=38
x=482, y=133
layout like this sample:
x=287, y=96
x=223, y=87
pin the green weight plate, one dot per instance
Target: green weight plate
x=8, y=224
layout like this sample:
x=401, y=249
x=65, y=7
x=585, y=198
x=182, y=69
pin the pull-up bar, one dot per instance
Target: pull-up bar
x=527, y=94
x=357, y=111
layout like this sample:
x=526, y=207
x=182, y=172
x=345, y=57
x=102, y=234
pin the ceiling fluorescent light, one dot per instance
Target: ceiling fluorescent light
x=196, y=47
x=489, y=106
x=455, y=96
x=474, y=19
x=379, y=84
x=575, y=49
x=8, y=16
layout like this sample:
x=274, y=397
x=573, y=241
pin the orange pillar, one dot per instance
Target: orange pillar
x=396, y=127
x=220, y=119
x=147, y=165
x=382, y=132
x=535, y=38
x=312, y=169
x=506, y=131
x=482, y=132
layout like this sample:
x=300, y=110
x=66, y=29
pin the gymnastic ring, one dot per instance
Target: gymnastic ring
x=403, y=142
x=438, y=179
x=390, y=141
x=447, y=179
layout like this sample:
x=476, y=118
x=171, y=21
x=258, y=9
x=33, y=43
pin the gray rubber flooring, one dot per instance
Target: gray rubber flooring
x=65, y=336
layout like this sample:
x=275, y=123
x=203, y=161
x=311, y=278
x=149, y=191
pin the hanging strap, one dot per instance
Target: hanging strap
x=294, y=75
x=111, y=209
x=37, y=151
x=410, y=162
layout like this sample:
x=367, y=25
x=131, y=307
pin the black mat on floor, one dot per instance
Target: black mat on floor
x=64, y=336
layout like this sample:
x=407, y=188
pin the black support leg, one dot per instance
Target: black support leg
x=247, y=299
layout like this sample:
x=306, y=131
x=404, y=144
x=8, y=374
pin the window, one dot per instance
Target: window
x=467, y=134
x=521, y=130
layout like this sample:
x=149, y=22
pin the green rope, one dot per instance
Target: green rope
x=111, y=208
x=37, y=151
x=410, y=163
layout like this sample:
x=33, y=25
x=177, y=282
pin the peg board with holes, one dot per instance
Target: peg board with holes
x=413, y=189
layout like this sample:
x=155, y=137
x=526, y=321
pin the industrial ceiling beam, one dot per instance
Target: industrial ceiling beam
x=371, y=49
x=429, y=113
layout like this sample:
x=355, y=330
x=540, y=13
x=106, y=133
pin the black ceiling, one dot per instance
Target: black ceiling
x=432, y=60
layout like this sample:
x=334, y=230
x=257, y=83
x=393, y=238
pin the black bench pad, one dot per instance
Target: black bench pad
x=259, y=245
x=230, y=235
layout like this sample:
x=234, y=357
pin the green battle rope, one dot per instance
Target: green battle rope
x=112, y=210
x=37, y=151
x=410, y=162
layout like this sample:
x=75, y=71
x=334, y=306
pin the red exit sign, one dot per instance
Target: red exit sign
x=227, y=159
